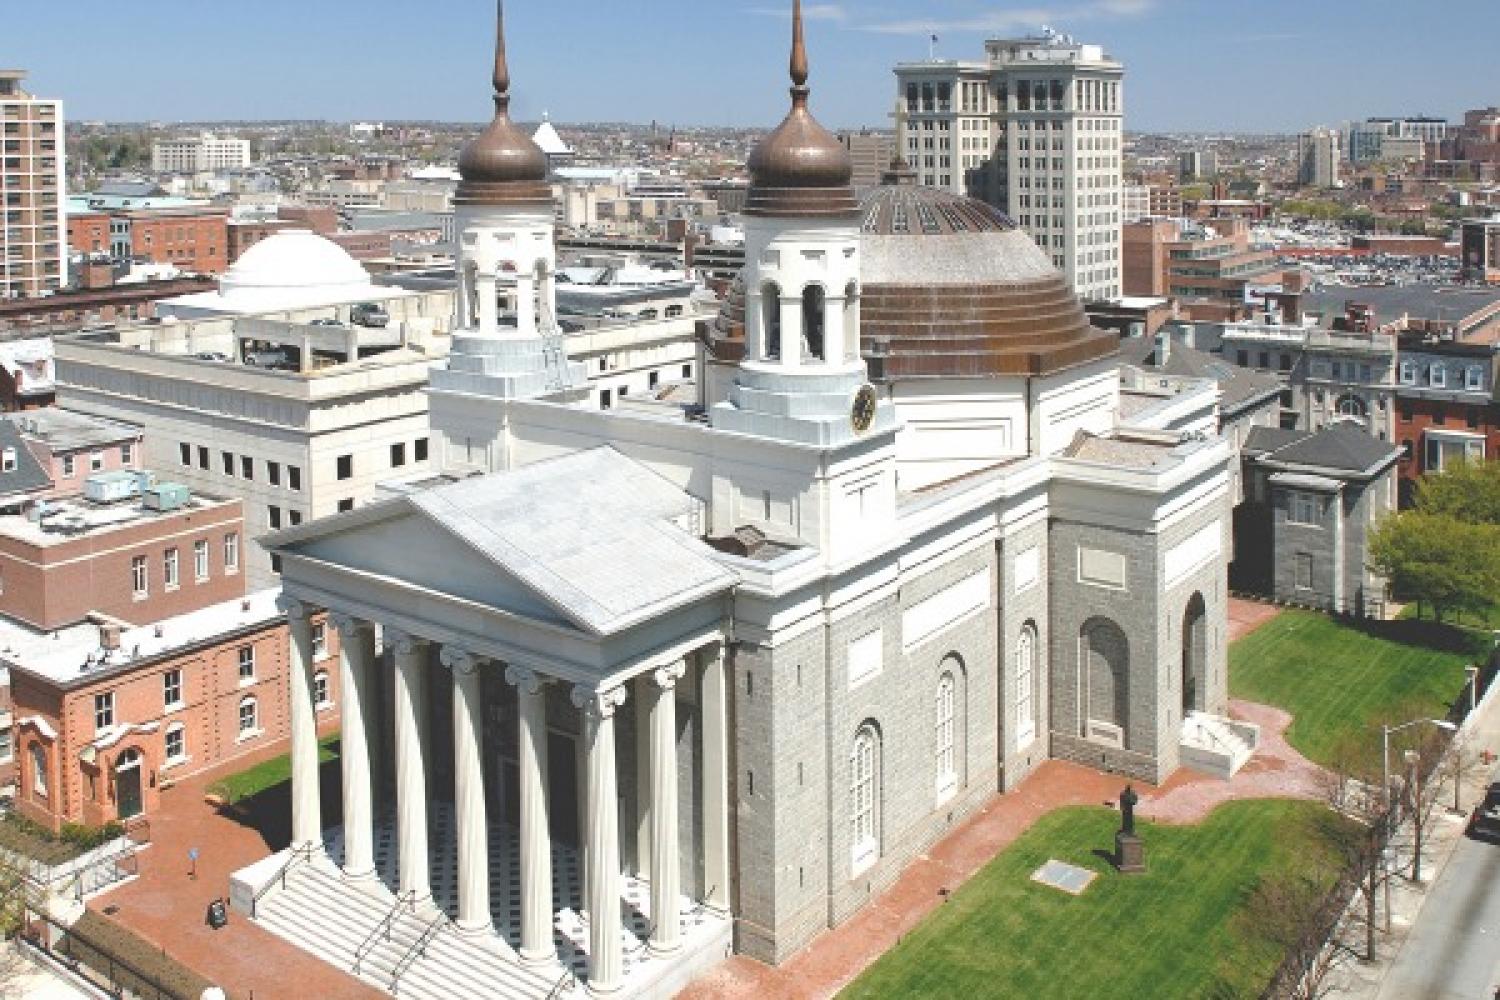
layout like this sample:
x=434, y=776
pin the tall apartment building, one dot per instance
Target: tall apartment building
x=1318, y=158
x=33, y=252
x=199, y=154
x=1194, y=164
x=1035, y=130
x=1372, y=138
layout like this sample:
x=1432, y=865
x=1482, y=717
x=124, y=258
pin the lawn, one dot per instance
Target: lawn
x=268, y=773
x=1341, y=681
x=1172, y=932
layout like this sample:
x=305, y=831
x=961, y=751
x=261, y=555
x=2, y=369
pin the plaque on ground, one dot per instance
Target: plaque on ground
x=1061, y=875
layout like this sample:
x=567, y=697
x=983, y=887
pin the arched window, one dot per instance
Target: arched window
x=320, y=690
x=946, y=750
x=770, y=320
x=864, y=825
x=38, y=770
x=249, y=717
x=1026, y=687
x=1350, y=405
x=851, y=322
x=1105, y=663
x=813, y=340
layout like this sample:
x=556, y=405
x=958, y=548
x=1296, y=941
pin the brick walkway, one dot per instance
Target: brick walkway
x=168, y=908
x=837, y=956
x=1247, y=616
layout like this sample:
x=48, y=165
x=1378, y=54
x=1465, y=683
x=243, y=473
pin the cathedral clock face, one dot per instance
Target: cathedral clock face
x=862, y=413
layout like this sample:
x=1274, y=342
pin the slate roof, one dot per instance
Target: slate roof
x=1339, y=448
x=28, y=476
x=1237, y=386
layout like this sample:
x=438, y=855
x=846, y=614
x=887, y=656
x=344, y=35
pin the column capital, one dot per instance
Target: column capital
x=349, y=626
x=524, y=678
x=403, y=642
x=295, y=610
x=598, y=703
x=460, y=660
x=667, y=677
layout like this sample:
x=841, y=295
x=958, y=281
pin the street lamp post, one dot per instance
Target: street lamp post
x=1385, y=789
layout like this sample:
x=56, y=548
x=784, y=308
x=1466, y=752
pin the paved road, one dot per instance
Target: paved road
x=1453, y=952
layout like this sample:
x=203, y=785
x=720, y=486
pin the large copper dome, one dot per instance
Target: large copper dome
x=800, y=169
x=503, y=166
x=951, y=288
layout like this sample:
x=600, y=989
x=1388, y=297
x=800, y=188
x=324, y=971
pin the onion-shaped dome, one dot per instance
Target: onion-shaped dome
x=800, y=169
x=504, y=165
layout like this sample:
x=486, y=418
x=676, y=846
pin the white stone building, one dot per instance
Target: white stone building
x=206, y=153
x=643, y=689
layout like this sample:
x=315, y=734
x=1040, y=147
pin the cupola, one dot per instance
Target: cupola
x=503, y=166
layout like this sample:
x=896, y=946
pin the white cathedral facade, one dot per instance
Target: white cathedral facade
x=624, y=690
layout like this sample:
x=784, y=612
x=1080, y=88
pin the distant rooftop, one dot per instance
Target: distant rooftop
x=76, y=654
x=68, y=430
x=56, y=522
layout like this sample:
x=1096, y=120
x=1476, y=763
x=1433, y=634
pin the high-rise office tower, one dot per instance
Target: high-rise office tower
x=1034, y=129
x=1318, y=158
x=33, y=238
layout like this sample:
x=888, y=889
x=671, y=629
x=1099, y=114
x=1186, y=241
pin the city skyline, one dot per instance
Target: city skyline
x=666, y=61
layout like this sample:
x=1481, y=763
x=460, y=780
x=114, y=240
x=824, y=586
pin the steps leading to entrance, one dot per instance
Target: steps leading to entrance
x=451, y=967
x=1216, y=745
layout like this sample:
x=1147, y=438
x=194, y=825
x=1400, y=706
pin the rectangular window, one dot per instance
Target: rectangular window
x=96, y=461
x=176, y=746
x=419, y=450
x=1438, y=375
x=169, y=569
x=171, y=689
x=345, y=467
x=185, y=452
x=320, y=689
x=1304, y=508
x=273, y=473
x=247, y=663
x=294, y=517
x=138, y=578
x=247, y=467
x=127, y=454
x=273, y=517
x=247, y=717
x=319, y=640
x=346, y=504
x=68, y=466
x=398, y=454
x=294, y=478
x=1473, y=378
x=200, y=560
x=1304, y=571
x=203, y=458
x=104, y=711
x=231, y=552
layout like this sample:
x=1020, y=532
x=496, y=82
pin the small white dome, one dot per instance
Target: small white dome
x=294, y=258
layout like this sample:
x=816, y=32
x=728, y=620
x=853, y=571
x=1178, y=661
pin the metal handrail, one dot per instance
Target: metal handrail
x=568, y=979
x=418, y=948
x=407, y=899
x=298, y=854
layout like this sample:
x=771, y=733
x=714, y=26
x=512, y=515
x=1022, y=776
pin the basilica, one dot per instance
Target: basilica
x=626, y=690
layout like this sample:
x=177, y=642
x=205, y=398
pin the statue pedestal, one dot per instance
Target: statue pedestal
x=1130, y=853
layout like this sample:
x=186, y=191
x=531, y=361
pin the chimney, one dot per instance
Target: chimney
x=109, y=637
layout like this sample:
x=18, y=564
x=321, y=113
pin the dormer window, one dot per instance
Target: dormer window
x=1438, y=375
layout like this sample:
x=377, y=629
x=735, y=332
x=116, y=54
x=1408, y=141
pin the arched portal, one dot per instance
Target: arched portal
x=1104, y=655
x=1194, y=654
x=128, y=784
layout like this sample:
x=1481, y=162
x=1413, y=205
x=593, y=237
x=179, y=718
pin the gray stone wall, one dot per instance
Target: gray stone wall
x=1292, y=540
x=1016, y=609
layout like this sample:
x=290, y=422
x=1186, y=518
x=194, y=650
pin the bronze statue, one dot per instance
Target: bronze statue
x=1128, y=799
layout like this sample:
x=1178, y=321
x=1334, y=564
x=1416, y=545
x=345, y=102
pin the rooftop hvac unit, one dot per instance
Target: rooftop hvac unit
x=110, y=487
x=166, y=496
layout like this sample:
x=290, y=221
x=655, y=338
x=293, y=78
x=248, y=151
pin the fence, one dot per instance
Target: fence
x=98, y=964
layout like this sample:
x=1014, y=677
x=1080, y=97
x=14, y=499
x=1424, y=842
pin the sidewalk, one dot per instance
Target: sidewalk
x=1444, y=835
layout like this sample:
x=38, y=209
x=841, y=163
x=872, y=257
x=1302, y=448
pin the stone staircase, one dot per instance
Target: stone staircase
x=451, y=966
x=1216, y=745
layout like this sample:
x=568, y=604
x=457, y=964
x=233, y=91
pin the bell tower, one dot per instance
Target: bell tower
x=506, y=257
x=802, y=377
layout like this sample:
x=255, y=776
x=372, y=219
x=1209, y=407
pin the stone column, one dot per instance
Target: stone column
x=468, y=792
x=526, y=305
x=357, y=712
x=791, y=330
x=666, y=934
x=489, y=309
x=411, y=763
x=307, y=822
x=644, y=699
x=536, y=840
x=713, y=709
x=833, y=328
x=605, y=957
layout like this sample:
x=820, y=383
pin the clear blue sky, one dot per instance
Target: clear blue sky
x=1241, y=65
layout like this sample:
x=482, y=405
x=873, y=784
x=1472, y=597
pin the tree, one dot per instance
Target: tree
x=1465, y=491
x=1453, y=564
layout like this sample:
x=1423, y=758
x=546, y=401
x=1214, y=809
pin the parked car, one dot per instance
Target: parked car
x=1484, y=823
x=369, y=314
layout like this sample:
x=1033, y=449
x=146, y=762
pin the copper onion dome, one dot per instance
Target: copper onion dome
x=800, y=169
x=503, y=166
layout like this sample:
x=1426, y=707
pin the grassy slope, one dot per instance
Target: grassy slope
x=1169, y=933
x=268, y=773
x=1341, y=682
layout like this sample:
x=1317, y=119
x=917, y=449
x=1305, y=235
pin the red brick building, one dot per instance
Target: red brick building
x=73, y=446
x=1447, y=401
x=104, y=718
x=122, y=561
x=193, y=239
